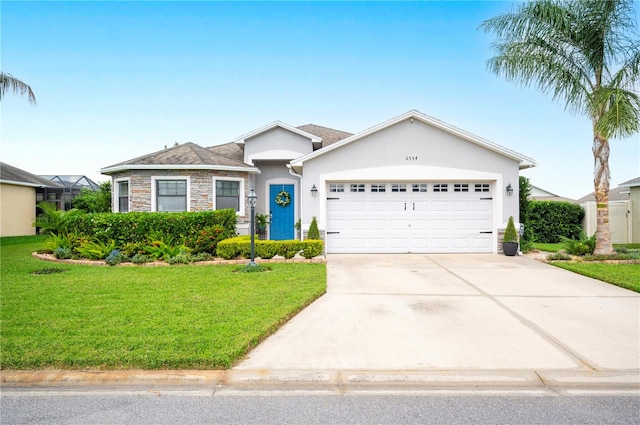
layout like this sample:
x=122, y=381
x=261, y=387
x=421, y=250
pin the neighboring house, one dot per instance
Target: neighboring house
x=19, y=192
x=624, y=212
x=410, y=184
x=72, y=185
x=538, y=194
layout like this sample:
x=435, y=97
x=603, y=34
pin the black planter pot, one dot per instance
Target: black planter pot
x=510, y=248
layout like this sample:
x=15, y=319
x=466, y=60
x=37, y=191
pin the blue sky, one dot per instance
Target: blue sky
x=115, y=80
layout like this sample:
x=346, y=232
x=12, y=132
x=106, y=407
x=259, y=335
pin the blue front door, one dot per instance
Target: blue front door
x=281, y=215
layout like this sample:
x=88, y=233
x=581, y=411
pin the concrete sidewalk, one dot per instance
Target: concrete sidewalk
x=426, y=323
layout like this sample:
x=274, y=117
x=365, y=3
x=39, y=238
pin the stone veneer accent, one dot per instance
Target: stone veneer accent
x=201, y=187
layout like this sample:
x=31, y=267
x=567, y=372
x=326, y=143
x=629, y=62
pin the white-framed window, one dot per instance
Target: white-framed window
x=170, y=193
x=441, y=187
x=379, y=187
x=356, y=187
x=122, y=195
x=419, y=187
x=336, y=187
x=460, y=187
x=228, y=192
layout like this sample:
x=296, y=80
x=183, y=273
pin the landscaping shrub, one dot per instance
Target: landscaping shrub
x=580, y=246
x=182, y=258
x=551, y=220
x=312, y=248
x=314, y=233
x=562, y=256
x=288, y=249
x=231, y=248
x=63, y=253
x=96, y=249
x=266, y=249
x=207, y=239
x=159, y=250
x=136, y=227
x=141, y=259
x=116, y=257
x=52, y=221
x=240, y=246
x=94, y=201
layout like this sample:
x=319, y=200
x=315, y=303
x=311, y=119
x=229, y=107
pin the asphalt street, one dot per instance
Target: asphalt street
x=310, y=409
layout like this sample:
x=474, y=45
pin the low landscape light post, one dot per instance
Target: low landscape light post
x=253, y=198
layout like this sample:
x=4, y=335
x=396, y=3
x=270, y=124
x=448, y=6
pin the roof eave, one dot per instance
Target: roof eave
x=17, y=183
x=127, y=167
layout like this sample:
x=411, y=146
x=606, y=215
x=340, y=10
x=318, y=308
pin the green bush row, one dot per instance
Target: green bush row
x=198, y=230
x=550, y=221
x=240, y=246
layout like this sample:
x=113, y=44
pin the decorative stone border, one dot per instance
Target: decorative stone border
x=50, y=257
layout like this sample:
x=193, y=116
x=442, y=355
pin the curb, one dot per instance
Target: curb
x=237, y=381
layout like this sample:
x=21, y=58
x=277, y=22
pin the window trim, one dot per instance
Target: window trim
x=241, y=194
x=154, y=195
x=116, y=201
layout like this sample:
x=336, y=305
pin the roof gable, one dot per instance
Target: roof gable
x=276, y=124
x=525, y=162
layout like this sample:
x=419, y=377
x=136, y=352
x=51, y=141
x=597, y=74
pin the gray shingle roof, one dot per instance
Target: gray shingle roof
x=620, y=193
x=631, y=183
x=183, y=155
x=328, y=135
x=11, y=174
x=231, y=150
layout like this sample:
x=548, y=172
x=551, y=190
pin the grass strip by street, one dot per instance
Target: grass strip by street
x=624, y=275
x=88, y=317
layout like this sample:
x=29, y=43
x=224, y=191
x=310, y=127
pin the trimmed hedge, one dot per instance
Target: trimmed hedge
x=240, y=246
x=181, y=228
x=550, y=221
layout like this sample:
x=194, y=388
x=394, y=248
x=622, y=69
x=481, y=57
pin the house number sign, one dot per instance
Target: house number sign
x=411, y=158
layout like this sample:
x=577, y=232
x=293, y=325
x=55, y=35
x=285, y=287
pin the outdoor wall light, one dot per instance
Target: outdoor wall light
x=314, y=190
x=509, y=190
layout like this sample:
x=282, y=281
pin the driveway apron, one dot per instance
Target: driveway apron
x=429, y=312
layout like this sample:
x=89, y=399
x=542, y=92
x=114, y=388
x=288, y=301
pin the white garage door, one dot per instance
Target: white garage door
x=409, y=217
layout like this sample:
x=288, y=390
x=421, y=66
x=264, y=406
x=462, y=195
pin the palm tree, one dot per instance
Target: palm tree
x=586, y=54
x=9, y=83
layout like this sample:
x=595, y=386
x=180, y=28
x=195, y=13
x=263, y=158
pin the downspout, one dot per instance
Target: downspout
x=293, y=173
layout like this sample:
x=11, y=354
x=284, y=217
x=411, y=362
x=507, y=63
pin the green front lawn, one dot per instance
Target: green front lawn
x=623, y=275
x=92, y=317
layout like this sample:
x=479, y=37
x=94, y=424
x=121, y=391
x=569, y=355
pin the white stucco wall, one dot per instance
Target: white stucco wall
x=412, y=151
x=273, y=172
x=277, y=143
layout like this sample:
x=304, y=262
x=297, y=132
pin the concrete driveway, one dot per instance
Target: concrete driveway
x=467, y=312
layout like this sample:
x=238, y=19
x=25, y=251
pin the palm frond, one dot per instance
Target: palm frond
x=12, y=84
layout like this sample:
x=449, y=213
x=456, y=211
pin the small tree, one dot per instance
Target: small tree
x=94, y=201
x=314, y=233
x=525, y=206
x=510, y=234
